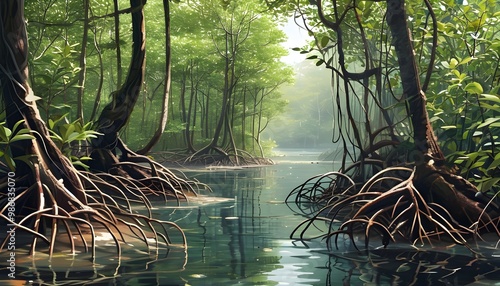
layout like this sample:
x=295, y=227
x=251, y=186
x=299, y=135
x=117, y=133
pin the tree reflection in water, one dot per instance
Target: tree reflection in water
x=241, y=237
x=398, y=266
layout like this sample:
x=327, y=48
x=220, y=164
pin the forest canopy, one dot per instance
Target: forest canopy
x=78, y=57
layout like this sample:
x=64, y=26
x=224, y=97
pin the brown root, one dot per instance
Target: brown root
x=212, y=157
x=46, y=211
x=419, y=207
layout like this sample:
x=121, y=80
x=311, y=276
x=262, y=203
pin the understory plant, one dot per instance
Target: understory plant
x=72, y=138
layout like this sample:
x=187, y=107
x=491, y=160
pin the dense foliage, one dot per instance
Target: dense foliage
x=460, y=79
x=78, y=52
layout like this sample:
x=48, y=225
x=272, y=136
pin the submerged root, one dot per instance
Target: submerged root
x=389, y=207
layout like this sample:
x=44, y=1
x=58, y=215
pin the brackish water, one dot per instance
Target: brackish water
x=239, y=235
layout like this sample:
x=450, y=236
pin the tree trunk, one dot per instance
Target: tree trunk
x=187, y=130
x=47, y=164
x=435, y=182
x=97, y=100
x=243, y=119
x=207, y=114
x=116, y=114
x=166, y=93
x=425, y=141
x=117, y=44
x=225, y=97
x=83, y=61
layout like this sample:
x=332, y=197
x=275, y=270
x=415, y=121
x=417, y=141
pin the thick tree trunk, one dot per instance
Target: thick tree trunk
x=434, y=181
x=116, y=114
x=425, y=141
x=47, y=164
x=166, y=92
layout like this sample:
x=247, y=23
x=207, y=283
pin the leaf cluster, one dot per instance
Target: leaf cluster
x=8, y=138
x=72, y=138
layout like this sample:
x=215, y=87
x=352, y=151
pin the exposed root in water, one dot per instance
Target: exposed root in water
x=391, y=207
x=48, y=212
x=217, y=158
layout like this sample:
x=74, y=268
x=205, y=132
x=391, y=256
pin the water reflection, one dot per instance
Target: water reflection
x=239, y=236
x=241, y=241
x=411, y=267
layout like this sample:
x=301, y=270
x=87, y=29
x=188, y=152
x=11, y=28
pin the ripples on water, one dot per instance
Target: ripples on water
x=241, y=238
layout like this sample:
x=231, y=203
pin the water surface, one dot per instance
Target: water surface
x=239, y=235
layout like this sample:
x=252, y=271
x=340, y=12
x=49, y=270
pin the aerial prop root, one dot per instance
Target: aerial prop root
x=50, y=222
x=398, y=212
x=314, y=188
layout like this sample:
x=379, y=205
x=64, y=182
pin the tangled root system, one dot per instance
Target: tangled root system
x=388, y=206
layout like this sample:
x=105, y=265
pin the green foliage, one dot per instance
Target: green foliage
x=71, y=138
x=268, y=146
x=464, y=93
x=204, y=34
x=7, y=139
x=55, y=31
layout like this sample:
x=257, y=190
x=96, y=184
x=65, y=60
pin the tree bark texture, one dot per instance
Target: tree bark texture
x=43, y=161
x=166, y=94
x=425, y=141
x=116, y=114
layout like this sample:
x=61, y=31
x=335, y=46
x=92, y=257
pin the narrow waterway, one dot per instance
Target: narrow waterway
x=239, y=235
x=245, y=241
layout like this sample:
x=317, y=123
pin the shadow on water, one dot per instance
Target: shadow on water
x=239, y=235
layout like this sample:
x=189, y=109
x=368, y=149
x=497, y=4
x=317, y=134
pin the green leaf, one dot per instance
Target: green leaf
x=4, y=133
x=25, y=158
x=488, y=184
x=448, y=127
x=81, y=164
x=488, y=121
x=73, y=136
x=67, y=51
x=51, y=123
x=19, y=137
x=9, y=161
x=490, y=97
x=494, y=107
x=17, y=124
x=474, y=87
x=453, y=63
x=495, y=163
x=55, y=136
x=69, y=131
x=324, y=41
x=466, y=60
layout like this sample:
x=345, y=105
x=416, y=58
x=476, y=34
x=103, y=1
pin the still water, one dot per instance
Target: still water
x=239, y=235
